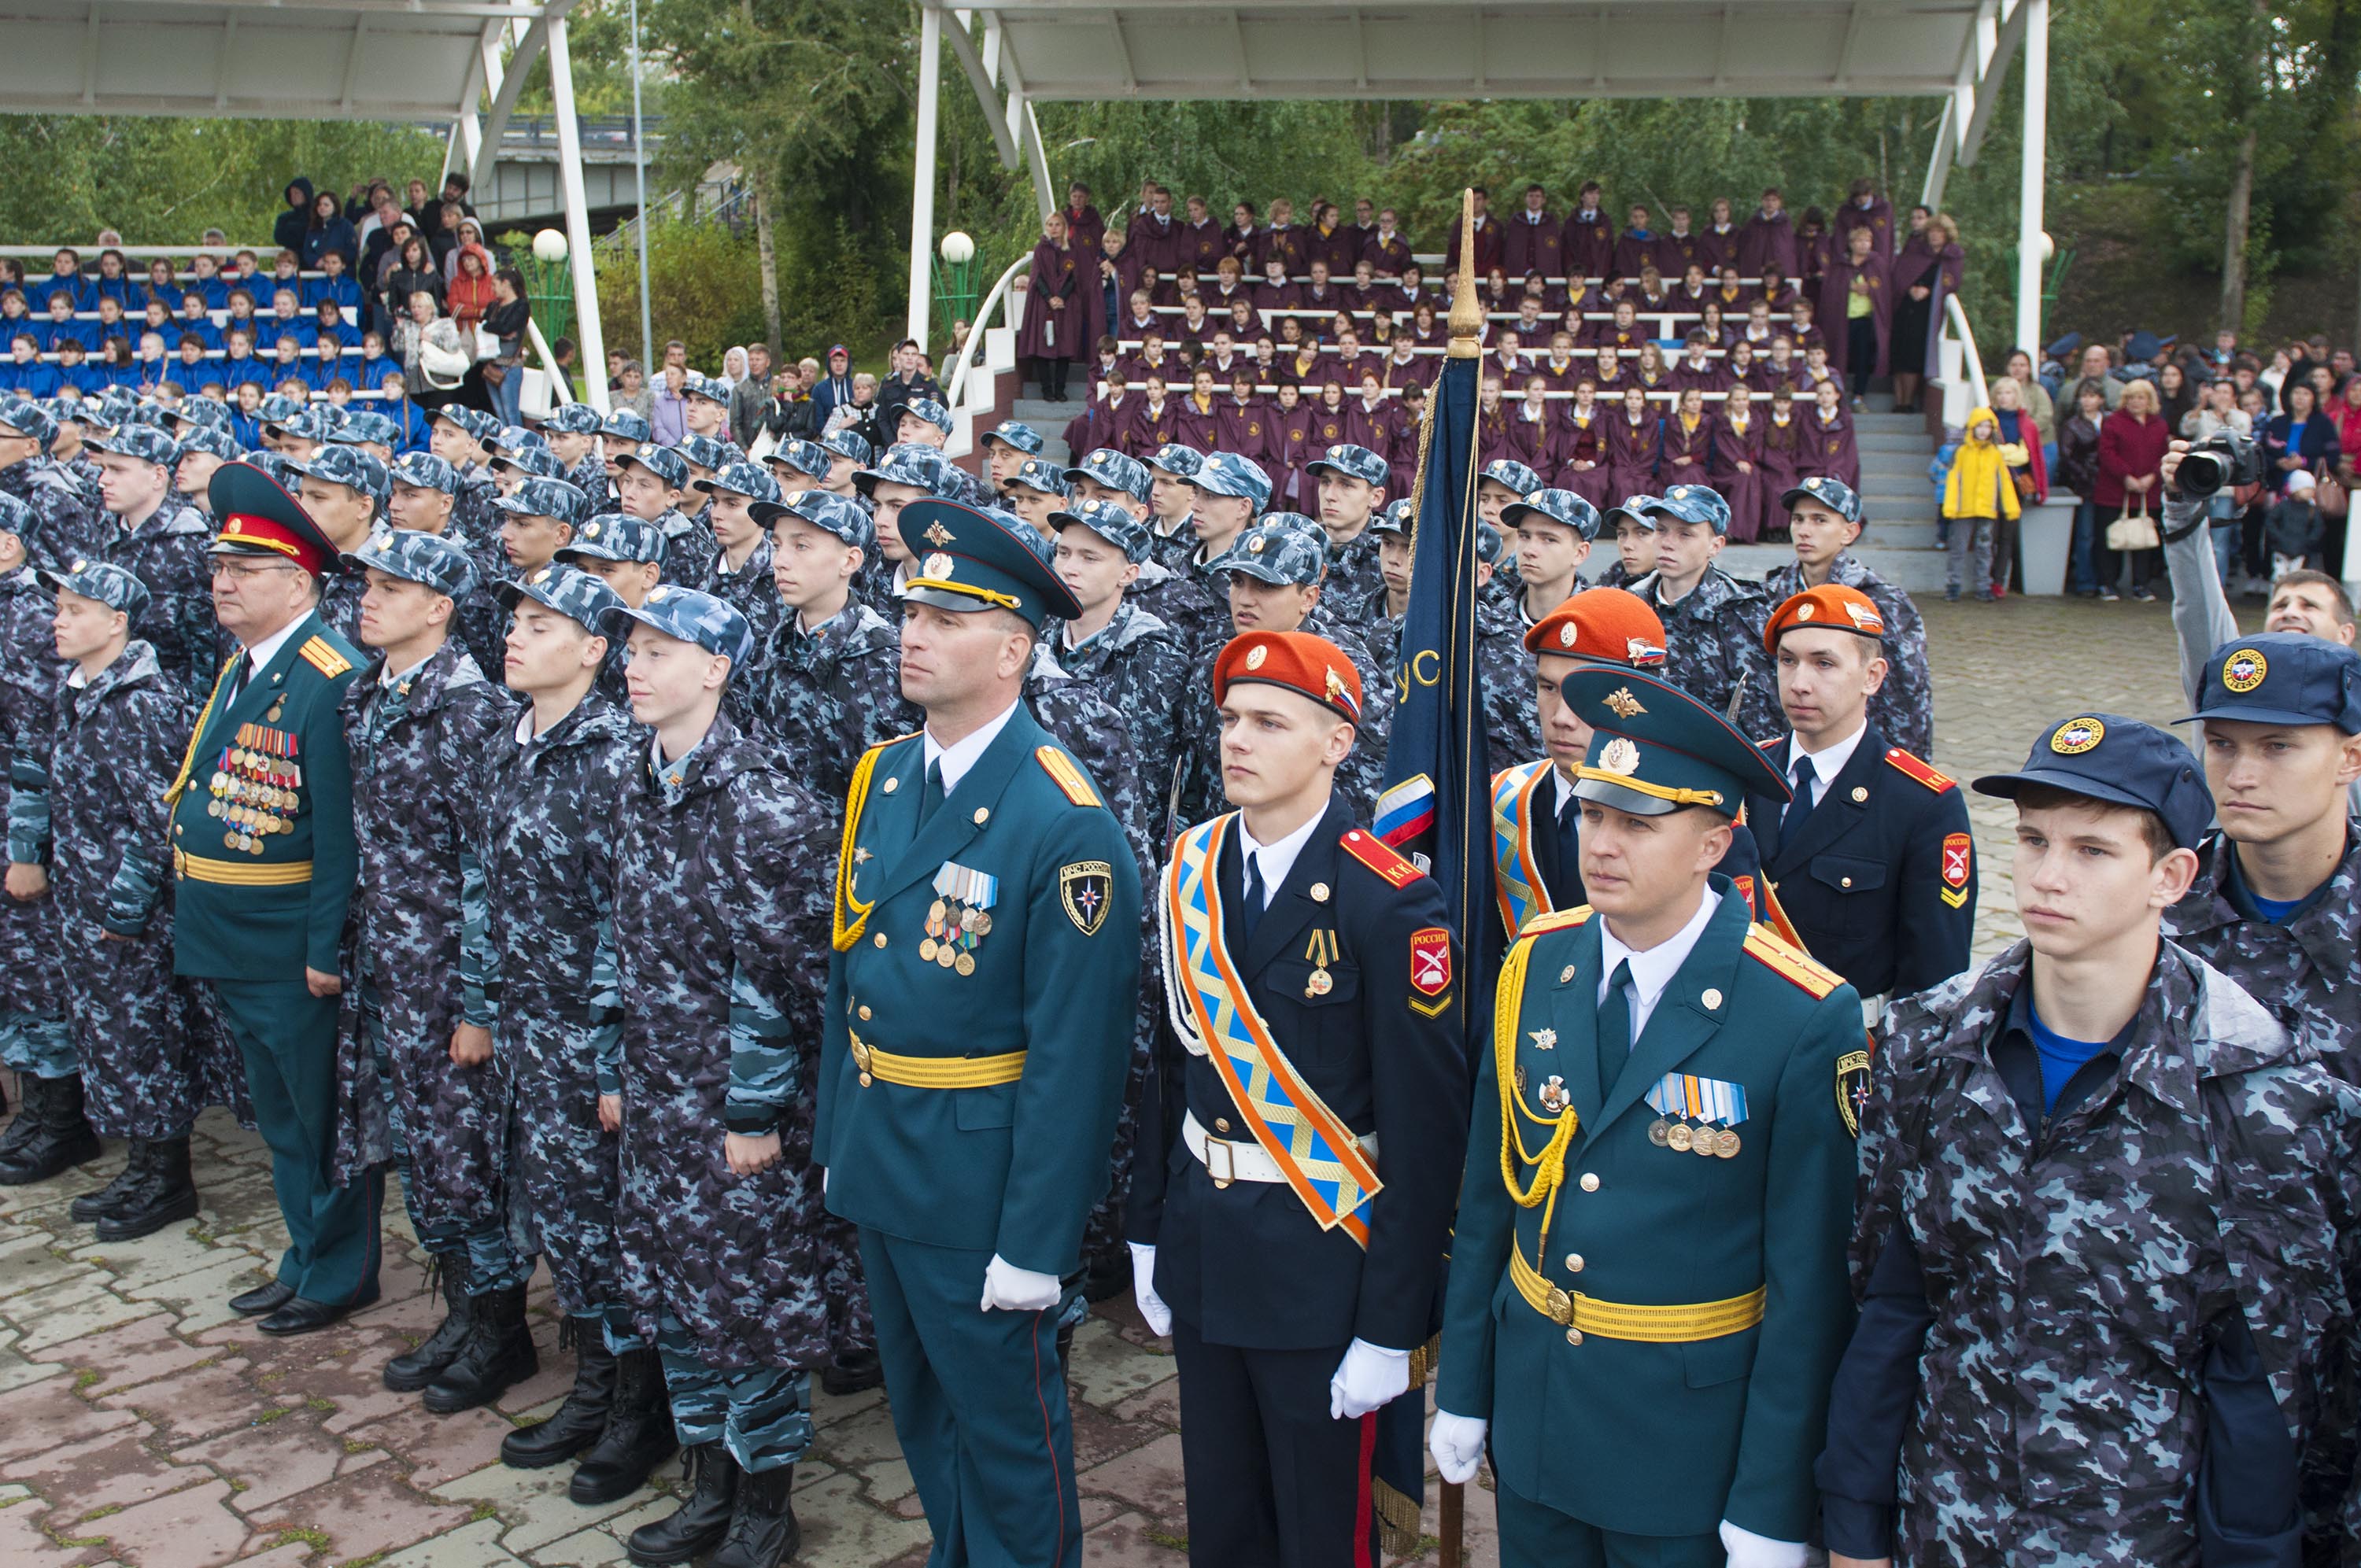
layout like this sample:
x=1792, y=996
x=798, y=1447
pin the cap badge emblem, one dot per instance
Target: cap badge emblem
x=1255, y=546
x=1620, y=756
x=2242, y=672
x=938, y=535
x=1864, y=617
x=1568, y=634
x=1255, y=656
x=938, y=564
x=1622, y=704
x=1805, y=610
x=2076, y=736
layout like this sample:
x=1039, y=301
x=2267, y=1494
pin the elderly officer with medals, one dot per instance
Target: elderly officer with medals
x=978, y=1035
x=1648, y=1292
x=1313, y=979
x=264, y=861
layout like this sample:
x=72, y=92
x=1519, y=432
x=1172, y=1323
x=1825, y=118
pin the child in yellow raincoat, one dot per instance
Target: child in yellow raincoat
x=1977, y=493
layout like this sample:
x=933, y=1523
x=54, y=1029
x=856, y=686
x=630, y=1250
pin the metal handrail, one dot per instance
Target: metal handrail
x=1956, y=314
x=975, y=334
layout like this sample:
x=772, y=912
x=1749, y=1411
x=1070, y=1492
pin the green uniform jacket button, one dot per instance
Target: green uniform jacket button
x=1589, y=1178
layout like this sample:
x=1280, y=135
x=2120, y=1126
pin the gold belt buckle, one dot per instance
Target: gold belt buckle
x=859, y=1057
x=179, y=862
x=1229, y=1172
x=1561, y=1307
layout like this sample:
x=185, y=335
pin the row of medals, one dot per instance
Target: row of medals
x=953, y=929
x=256, y=796
x=1670, y=1134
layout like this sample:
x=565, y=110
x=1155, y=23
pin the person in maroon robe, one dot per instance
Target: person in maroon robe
x=1056, y=330
x=1410, y=292
x=1406, y=366
x=1926, y=273
x=1730, y=292
x=1803, y=329
x=1692, y=291
x=1106, y=365
x=1650, y=370
x=1194, y=329
x=1561, y=366
x=1155, y=418
x=1351, y=361
x=1687, y=453
x=1768, y=236
x=1634, y=442
x=1153, y=358
x=1621, y=333
x=1863, y=206
x=1506, y=359
x=1200, y=244
x=1365, y=294
x=1386, y=250
x=1427, y=328
x=1154, y=230
x=1582, y=445
x=1535, y=435
x=1491, y=422
x=1122, y=273
x=1242, y=241
x=1222, y=357
x=1274, y=292
x=1334, y=242
x=1650, y=296
x=1679, y=247
x=1715, y=325
x=1612, y=375
x=1588, y=242
x=1827, y=448
x=1322, y=293
x=1756, y=331
x=1775, y=290
x=1858, y=292
x=1531, y=243
x=1779, y=370
x=1738, y=365
x=1636, y=249
x=1698, y=369
x=1812, y=247
x=1241, y=423
x=1737, y=468
x=1228, y=288
x=1489, y=241
x=1283, y=240
x=1198, y=425
x=1373, y=420
x=1328, y=416
x=1782, y=456
x=1718, y=242
x=1288, y=446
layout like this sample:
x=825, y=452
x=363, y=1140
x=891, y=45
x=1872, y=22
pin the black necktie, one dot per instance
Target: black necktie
x=1250, y=913
x=1614, y=1029
x=930, y=794
x=245, y=673
x=1801, y=806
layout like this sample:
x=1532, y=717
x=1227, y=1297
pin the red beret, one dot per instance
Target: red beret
x=1831, y=605
x=1612, y=625
x=1296, y=660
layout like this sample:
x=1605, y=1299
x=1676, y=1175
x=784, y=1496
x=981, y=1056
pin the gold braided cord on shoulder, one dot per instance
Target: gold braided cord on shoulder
x=189, y=757
x=1549, y=1165
x=842, y=934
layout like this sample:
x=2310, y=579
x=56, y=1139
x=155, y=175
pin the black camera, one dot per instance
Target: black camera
x=2223, y=461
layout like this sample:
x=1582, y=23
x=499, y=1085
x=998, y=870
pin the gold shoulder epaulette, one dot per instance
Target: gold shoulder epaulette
x=1925, y=773
x=1067, y=774
x=1790, y=962
x=1562, y=920
x=321, y=655
x=1378, y=856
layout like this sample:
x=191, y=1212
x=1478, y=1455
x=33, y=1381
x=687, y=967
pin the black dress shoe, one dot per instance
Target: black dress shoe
x=302, y=1317
x=263, y=1300
x=852, y=1372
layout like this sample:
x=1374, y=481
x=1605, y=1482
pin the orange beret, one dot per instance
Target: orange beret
x=1831, y=605
x=1614, y=626
x=1296, y=660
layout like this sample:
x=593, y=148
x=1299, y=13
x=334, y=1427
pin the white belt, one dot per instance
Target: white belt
x=1227, y=1162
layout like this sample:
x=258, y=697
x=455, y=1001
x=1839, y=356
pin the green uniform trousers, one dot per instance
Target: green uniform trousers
x=1534, y=1535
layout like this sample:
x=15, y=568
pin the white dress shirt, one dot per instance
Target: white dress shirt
x=1827, y=763
x=1271, y=862
x=1654, y=970
x=268, y=649
x=959, y=756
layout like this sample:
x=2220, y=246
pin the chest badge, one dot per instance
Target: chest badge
x=1544, y=1039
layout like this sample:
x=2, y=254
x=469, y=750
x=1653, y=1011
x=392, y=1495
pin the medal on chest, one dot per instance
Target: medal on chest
x=960, y=918
x=255, y=787
x=1714, y=1105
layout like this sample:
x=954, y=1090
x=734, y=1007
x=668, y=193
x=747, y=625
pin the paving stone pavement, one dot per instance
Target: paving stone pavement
x=146, y=1424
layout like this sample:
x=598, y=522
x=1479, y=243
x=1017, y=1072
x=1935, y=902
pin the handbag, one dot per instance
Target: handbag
x=2133, y=531
x=2329, y=494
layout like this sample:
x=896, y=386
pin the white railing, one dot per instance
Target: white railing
x=1961, y=393
x=980, y=344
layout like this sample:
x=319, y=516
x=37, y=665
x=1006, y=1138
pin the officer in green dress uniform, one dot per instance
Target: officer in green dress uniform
x=978, y=1036
x=1647, y=1292
x=264, y=858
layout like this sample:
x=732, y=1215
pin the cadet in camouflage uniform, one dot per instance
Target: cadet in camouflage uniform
x=154, y=533
x=900, y=476
x=49, y=1133
x=68, y=524
x=1034, y=490
x=740, y=574
x=421, y=496
x=554, y=813
x=2099, y=1246
x=1713, y=623
x=1229, y=493
x=649, y=484
x=1352, y=481
x=621, y=434
x=1823, y=519
x=1137, y=663
x=722, y=943
x=1509, y=726
x=422, y=722
x=627, y=555
x=459, y=435
x=345, y=490
x=120, y=727
x=1171, y=502
x=204, y=448
x=798, y=465
x=572, y=431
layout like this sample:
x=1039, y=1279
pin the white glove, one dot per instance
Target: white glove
x=1015, y=1289
x=1457, y=1445
x=1747, y=1549
x=1367, y=1377
x=1143, y=1290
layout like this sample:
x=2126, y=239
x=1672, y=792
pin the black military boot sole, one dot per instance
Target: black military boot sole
x=762, y=1528
x=697, y=1525
x=92, y=1207
x=578, y=1422
x=498, y=1353
x=414, y=1370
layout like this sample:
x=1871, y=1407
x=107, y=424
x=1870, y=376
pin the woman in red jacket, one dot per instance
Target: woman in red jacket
x=2130, y=455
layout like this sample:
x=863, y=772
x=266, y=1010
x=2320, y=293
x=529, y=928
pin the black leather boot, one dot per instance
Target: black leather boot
x=579, y=1422
x=698, y=1524
x=762, y=1528
x=26, y=1124
x=164, y=1195
x=414, y=1369
x=852, y=1372
x=63, y=1139
x=638, y=1438
x=94, y=1206
x=498, y=1351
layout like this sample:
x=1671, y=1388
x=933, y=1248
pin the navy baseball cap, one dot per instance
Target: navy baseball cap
x=1110, y=522
x=2282, y=678
x=424, y=471
x=29, y=419
x=425, y=558
x=1277, y=551
x=841, y=516
x=1831, y=493
x=748, y=479
x=1115, y=470
x=625, y=425
x=849, y=442
x=571, y=592
x=926, y=409
x=572, y=419
x=1694, y=503
x=1014, y=434
x=112, y=585
x=1514, y=474
x=982, y=558
x=2119, y=760
x=615, y=537
x=663, y=462
x=712, y=624
x=1564, y=508
x=1039, y=474
x=1227, y=474
x=805, y=457
x=1181, y=462
x=905, y=463
x=148, y=445
x=547, y=498
x=1350, y=462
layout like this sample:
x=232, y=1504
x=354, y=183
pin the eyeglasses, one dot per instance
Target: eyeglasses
x=243, y=571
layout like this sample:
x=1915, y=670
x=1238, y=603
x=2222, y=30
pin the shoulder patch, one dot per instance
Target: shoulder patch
x=1378, y=856
x=321, y=655
x=1925, y=773
x=1791, y=963
x=1067, y=774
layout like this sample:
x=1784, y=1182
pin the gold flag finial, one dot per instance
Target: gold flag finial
x=1467, y=309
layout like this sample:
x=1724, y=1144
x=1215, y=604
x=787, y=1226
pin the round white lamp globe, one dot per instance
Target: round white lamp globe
x=549, y=245
x=2049, y=247
x=958, y=249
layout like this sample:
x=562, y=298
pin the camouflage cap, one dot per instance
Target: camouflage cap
x=742, y=478
x=1014, y=434
x=196, y=408
x=309, y=422
x=1227, y=474
x=1828, y=491
x=114, y=587
x=1641, y=510
x=276, y=409
x=807, y=458
x=1181, y=462
x=346, y=465
x=424, y=471
x=1114, y=469
x=616, y=536
x=1694, y=503
x=905, y=463
x=572, y=419
x=430, y=559
x=706, y=452
x=625, y=425
x=570, y=591
x=73, y=408
x=538, y=462
x=212, y=439
x=926, y=409
x=1349, y=461
x=367, y=426
x=481, y=427
x=841, y=516
x=712, y=388
x=710, y=623
x=1514, y=474
x=547, y=498
x=1489, y=543
x=516, y=438
x=1276, y=551
x=1397, y=520
x=29, y=420
x=1564, y=508
x=849, y=442
x=1110, y=522
x=17, y=518
x=1039, y=474
x=143, y=443
x=662, y=461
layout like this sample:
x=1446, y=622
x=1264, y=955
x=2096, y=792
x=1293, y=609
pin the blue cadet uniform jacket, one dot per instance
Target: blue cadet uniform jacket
x=980, y=1008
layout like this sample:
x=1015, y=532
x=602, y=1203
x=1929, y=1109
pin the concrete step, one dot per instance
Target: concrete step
x=1890, y=424
x=1896, y=463
x=1891, y=441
